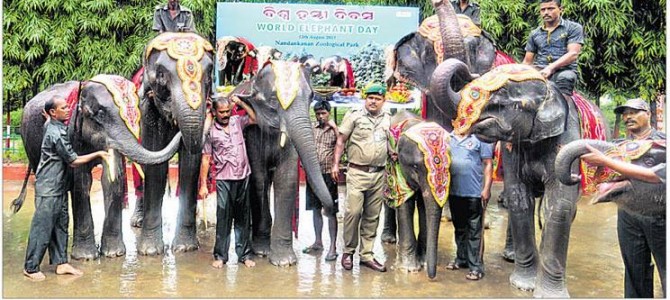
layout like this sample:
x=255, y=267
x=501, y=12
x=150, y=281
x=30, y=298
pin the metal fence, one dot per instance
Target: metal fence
x=11, y=139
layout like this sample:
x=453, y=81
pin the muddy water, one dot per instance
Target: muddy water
x=595, y=268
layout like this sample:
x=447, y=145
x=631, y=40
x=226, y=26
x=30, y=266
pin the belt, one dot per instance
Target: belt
x=369, y=169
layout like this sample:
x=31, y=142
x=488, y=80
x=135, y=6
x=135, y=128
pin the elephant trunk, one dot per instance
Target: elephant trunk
x=432, y=233
x=452, y=39
x=569, y=153
x=189, y=120
x=300, y=132
x=130, y=147
x=449, y=74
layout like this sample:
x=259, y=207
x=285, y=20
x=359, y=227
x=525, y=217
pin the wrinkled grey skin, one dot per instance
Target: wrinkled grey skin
x=536, y=119
x=162, y=117
x=275, y=165
x=413, y=252
x=634, y=196
x=94, y=126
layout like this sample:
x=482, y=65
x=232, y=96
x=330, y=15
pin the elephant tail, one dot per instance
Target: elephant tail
x=18, y=202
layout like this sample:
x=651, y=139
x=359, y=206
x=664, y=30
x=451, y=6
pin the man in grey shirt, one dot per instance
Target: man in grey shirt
x=173, y=18
x=465, y=7
x=554, y=47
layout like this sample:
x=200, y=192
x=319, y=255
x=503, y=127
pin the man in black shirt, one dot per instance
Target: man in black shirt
x=173, y=18
x=50, y=221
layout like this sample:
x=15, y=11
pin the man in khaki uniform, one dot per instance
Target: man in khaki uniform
x=365, y=130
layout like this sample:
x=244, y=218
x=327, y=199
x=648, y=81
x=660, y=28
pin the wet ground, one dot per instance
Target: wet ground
x=595, y=268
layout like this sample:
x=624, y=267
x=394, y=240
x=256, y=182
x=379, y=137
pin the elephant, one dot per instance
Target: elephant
x=420, y=178
x=631, y=195
x=416, y=55
x=280, y=96
x=176, y=83
x=235, y=57
x=104, y=115
x=339, y=68
x=515, y=104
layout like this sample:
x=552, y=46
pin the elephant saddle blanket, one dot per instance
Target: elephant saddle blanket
x=433, y=142
x=187, y=49
x=125, y=98
x=592, y=127
x=626, y=151
x=430, y=29
x=72, y=99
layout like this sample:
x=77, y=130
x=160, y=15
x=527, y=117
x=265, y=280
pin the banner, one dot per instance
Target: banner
x=320, y=30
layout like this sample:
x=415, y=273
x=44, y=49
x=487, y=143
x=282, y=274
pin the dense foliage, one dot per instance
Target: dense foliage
x=50, y=41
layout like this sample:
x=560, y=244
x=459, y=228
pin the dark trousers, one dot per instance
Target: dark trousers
x=565, y=80
x=640, y=237
x=48, y=229
x=466, y=215
x=232, y=202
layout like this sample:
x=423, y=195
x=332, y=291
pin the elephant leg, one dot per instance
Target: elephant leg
x=112, y=236
x=285, y=182
x=508, y=252
x=189, y=169
x=259, y=191
x=138, y=213
x=83, y=238
x=150, y=241
x=521, y=215
x=406, y=257
x=561, y=208
x=390, y=225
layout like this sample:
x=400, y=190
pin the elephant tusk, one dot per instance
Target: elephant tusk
x=282, y=139
x=110, y=167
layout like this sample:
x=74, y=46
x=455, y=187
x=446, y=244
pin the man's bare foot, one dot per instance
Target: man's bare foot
x=66, y=268
x=37, y=276
x=217, y=264
x=249, y=263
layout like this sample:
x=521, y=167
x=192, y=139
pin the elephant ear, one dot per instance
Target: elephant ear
x=550, y=117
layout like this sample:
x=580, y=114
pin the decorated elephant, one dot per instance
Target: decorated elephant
x=631, y=195
x=418, y=179
x=104, y=116
x=441, y=36
x=280, y=95
x=235, y=59
x=176, y=84
x=341, y=73
x=515, y=104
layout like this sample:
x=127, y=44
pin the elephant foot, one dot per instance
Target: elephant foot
x=508, y=255
x=84, y=249
x=112, y=246
x=523, y=279
x=283, y=257
x=409, y=264
x=261, y=246
x=151, y=243
x=544, y=292
x=185, y=240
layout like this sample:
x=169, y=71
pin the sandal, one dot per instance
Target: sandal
x=474, y=275
x=312, y=248
x=455, y=266
x=331, y=257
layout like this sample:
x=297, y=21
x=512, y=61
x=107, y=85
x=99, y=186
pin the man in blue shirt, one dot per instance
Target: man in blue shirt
x=49, y=226
x=471, y=176
x=555, y=46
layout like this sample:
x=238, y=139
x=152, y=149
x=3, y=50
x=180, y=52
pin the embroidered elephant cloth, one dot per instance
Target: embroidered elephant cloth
x=591, y=128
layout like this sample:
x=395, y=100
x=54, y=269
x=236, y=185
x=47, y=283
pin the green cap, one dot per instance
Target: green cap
x=375, y=88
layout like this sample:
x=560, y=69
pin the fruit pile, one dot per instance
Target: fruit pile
x=399, y=93
x=347, y=91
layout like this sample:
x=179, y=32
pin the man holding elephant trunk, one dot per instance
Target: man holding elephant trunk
x=365, y=130
x=640, y=237
x=225, y=144
x=49, y=226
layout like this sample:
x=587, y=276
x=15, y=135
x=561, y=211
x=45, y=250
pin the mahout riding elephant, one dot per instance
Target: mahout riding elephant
x=176, y=83
x=104, y=116
x=631, y=195
x=515, y=104
x=280, y=95
x=419, y=179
